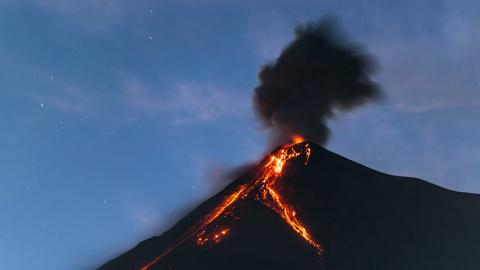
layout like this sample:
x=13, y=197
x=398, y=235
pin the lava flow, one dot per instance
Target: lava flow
x=217, y=224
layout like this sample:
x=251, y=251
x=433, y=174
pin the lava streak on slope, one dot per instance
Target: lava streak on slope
x=262, y=187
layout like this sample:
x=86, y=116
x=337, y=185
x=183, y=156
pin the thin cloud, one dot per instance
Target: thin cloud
x=424, y=75
x=186, y=103
x=88, y=14
x=438, y=69
x=70, y=100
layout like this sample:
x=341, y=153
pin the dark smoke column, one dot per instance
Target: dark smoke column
x=315, y=74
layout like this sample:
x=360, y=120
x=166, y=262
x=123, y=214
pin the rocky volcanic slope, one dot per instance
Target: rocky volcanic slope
x=363, y=219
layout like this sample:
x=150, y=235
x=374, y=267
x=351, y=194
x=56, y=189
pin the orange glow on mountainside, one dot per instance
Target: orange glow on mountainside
x=217, y=225
x=297, y=139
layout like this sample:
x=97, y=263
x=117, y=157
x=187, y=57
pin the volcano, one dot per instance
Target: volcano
x=304, y=207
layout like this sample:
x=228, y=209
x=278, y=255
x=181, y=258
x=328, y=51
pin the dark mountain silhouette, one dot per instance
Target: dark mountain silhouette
x=364, y=219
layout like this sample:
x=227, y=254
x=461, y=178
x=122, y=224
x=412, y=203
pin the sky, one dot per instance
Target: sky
x=118, y=116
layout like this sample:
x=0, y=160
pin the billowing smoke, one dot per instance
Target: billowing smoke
x=317, y=74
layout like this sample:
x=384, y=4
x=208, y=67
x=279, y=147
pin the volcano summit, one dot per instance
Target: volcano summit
x=304, y=207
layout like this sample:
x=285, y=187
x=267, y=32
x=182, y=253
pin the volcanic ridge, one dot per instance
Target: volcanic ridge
x=304, y=207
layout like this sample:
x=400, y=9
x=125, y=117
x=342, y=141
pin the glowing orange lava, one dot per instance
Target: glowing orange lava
x=297, y=138
x=212, y=229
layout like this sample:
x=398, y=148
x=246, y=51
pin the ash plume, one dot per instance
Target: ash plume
x=318, y=73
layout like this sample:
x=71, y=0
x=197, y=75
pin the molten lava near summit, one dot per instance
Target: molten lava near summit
x=303, y=207
x=265, y=188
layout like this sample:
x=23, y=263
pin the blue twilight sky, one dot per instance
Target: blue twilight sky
x=117, y=115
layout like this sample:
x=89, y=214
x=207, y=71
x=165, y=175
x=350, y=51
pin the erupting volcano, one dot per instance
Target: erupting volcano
x=303, y=207
x=264, y=187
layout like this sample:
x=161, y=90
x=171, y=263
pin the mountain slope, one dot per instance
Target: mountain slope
x=363, y=219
